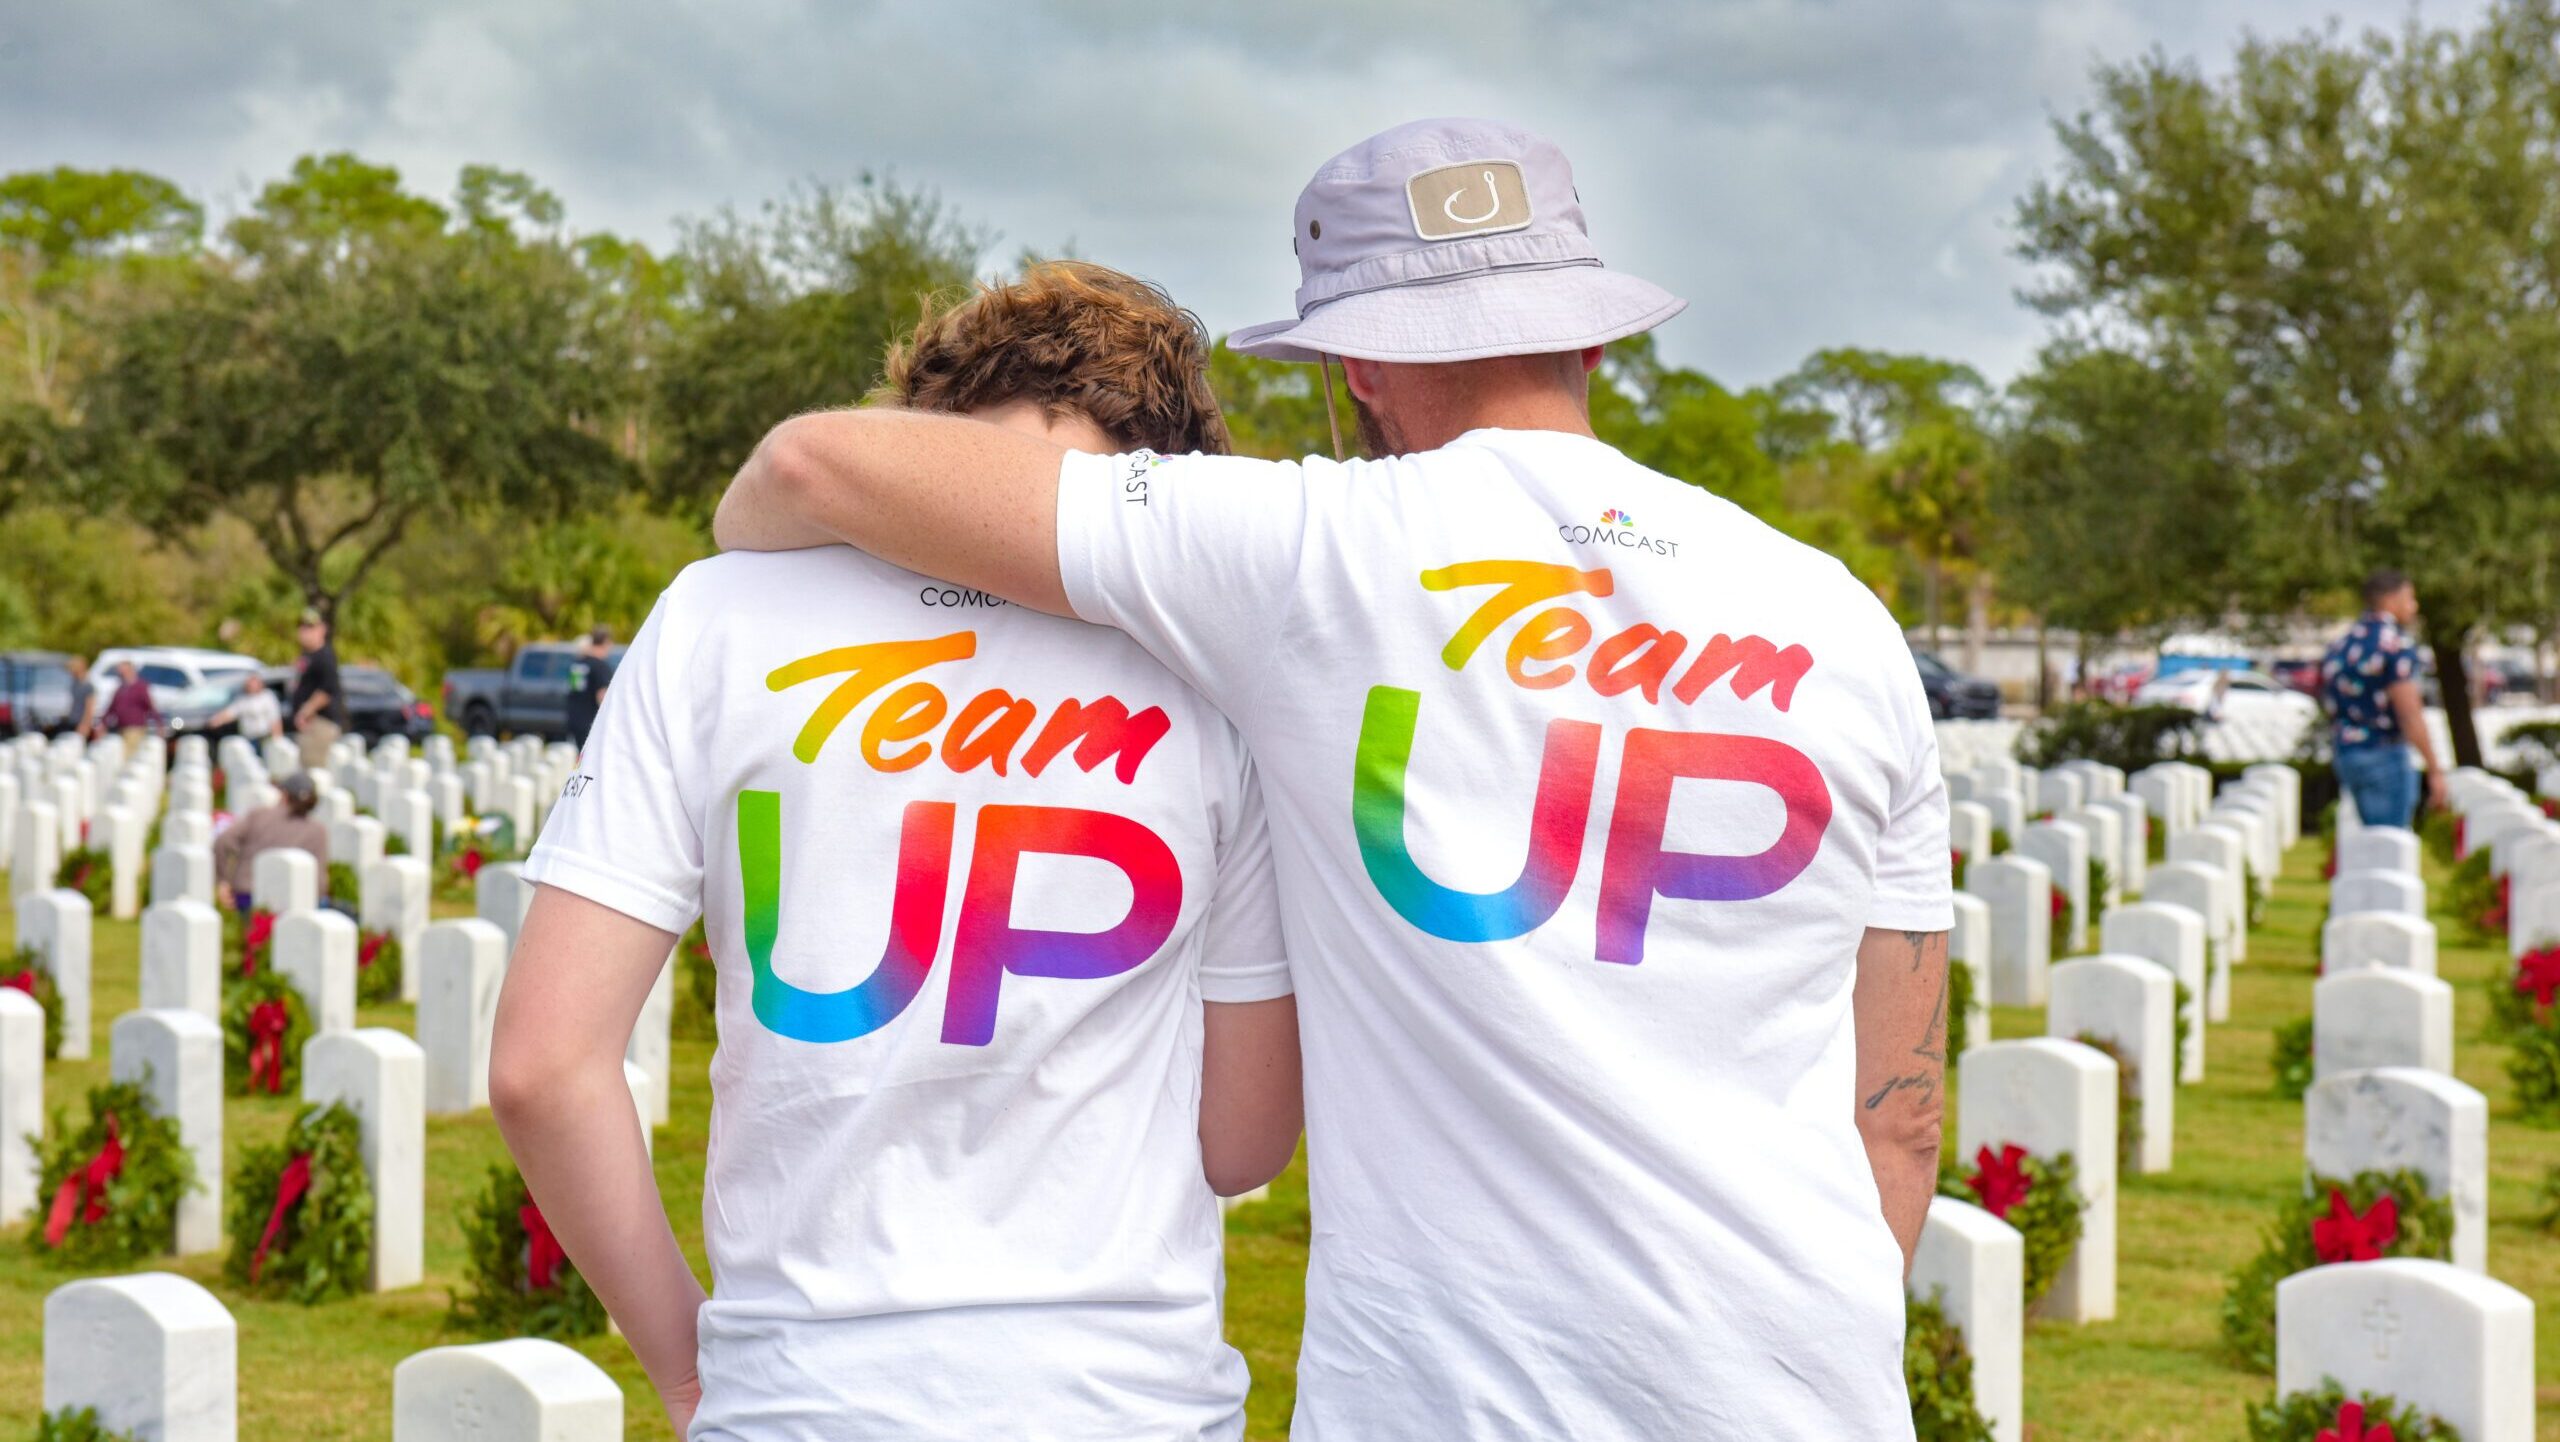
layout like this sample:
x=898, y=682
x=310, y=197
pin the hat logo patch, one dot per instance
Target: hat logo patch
x=1476, y=197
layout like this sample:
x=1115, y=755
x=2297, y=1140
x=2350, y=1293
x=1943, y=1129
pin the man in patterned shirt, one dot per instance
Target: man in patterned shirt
x=2370, y=681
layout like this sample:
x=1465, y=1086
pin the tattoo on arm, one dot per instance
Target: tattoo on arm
x=1933, y=1039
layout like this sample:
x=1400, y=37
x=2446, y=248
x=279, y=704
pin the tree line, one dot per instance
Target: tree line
x=2301, y=310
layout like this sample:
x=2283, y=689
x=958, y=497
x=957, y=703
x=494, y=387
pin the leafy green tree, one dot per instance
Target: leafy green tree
x=354, y=362
x=1275, y=409
x=793, y=311
x=2352, y=239
x=1683, y=424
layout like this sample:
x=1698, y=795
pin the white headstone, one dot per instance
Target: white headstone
x=2019, y=892
x=1976, y=1265
x=444, y=797
x=2059, y=792
x=397, y=890
x=2438, y=1338
x=2008, y=813
x=2224, y=848
x=57, y=925
x=2051, y=1096
x=21, y=1099
x=356, y=841
x=2202, y=889
x=460, y=964
x=35, y=853
x=2399, y=1117
x=2161, y=791
x=187, y=828
x=284, y=879
x=2533, y=919
x=2395, y=891
x=503, y=895
x=2133, y=837
x=181, y=873
x=411, y=816
x=177, y=1057
x=2129, y=1003
x=650, y=1047
x=316, y=952
x=1969, y=829
x=516, y=798
x=8, y=815
x=2288, y=787
x=523, y=1389
x=2377, y=938
x=2378, y=1017
x=2105, y=831
x=182, y=959
x=2382, y=848
x=120, y=833
x=381, y=1076
x=2171, y=937
x=154, y=1353
x=2064, y=850
x=1969, y=946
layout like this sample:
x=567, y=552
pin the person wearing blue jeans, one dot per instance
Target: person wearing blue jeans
x=2370, y=681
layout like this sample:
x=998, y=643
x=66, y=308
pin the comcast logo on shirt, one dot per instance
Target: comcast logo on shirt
x=1616, y=528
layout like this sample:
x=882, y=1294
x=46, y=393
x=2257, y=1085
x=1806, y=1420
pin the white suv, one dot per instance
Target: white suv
x=184, y=680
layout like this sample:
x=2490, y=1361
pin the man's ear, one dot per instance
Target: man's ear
x=1362, y=376
x=1590, y=359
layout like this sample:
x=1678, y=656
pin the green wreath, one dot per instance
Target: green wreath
x=2312, y=1416
x=90, y=871
x=2291, y=1058
x=344, y=887
x=2548, y=1219
x=2100, y=878
x=378, y=962
x=2128, y=1102
x=1959, y=1009
x=77, y=1424
x=499, y=1298
x=1937, y=1369
x=128, y=1214
x=249, y=939
x=701, y=1020
x=2471, y=893
x=2047, y=1216
x=240, y=1001
x=1999, y=842
x=2182, y=997
x=323, y=1244
x=2249, y=1306
x=36, y=970
x=2253, y=902
x=395, y=844
x=2533, y=1065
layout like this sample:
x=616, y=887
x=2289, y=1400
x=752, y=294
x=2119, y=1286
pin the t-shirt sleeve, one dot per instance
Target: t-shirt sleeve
x=1195, y=557
x=621, y=834
x=1915, y=882
x=2399, y=659
x=1242, y=955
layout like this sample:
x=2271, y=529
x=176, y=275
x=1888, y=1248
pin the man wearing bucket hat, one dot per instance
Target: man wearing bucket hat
x=1608, y=822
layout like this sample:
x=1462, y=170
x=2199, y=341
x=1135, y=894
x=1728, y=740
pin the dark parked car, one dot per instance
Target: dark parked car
x=1952, y=694
x=35, y=692
x=529, y=698
x=377, y=704
x=2302, y=676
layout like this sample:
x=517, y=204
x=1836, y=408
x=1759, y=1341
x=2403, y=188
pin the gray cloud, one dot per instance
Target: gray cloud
x=1808, y=172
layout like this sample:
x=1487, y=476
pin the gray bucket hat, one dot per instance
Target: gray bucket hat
x=1450, y=240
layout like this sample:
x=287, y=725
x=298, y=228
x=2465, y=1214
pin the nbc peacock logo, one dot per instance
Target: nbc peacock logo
x=1616, y=528
x=1615, y=517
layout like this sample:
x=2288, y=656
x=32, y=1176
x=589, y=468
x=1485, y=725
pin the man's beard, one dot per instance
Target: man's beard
x=1376, y=436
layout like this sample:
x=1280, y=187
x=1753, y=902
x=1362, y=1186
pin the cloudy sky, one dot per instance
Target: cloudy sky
x=1807, y=172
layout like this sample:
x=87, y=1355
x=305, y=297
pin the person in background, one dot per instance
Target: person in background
x=590, y=671
x=84, y=698
x=319, y=698
x=130, y=711
x=255, y=712
x=288, y=822
x=2370, y=681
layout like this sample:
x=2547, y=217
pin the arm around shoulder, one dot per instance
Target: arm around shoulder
x=1252, y=1107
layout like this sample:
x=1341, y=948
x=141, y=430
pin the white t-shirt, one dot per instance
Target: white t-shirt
x=1580, y=1111
x=954, y=1186
x=257, y=714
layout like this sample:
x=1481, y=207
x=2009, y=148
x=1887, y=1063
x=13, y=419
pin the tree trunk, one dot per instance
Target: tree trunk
x=1936, y=583
x=1977, y=622
x=2044, y=672
x=2453, y=682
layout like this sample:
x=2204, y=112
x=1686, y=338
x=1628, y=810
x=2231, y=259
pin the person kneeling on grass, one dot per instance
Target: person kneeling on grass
x=968, y=873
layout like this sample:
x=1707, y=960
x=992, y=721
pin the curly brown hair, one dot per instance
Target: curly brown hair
x=1070, y=336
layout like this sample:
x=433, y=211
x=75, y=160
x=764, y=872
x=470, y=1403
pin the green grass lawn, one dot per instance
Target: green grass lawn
x=2153, y=1373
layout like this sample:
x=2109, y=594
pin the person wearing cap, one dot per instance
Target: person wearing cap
x=590, y=672
x=285, y=822
x=319, y=699
x=1611, y=835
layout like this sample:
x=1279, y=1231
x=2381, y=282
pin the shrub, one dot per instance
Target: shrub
x=2533, y=1064
x=2330, y=1413
x=2128, y=1103
x=320, y=1245
x=274, y=1068
x=101, y=1206
x=345, y=887
x=1959, y=1009
x=2292, y=1058
x=2423, y=1227
x=1937, y=1369
x=2040, y=1198
x=2126, y=737
x=699, y=1021
x=77, y=1425
x=507, y=1293
x=378, y=962
x=91, y=872
x=30, y=971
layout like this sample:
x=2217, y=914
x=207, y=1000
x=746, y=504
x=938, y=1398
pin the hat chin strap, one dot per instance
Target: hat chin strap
x=1332, y=422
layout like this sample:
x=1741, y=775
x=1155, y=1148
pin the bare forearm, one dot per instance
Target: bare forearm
x=577, y=1140
x=761, y=511
x=1251, y=1104
x=1901, y=1011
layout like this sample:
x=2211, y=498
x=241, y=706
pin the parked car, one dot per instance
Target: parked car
x=2508, y=680
x=529, y=698
x=35, y=692
x=188, y=683
x=2229, y=694
x=1954, y=694
x=2302, y=676
x=377, y=704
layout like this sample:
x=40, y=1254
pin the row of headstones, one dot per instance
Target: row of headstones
x=392, y=1086
x=2441, y=1335
x=157, y=1356
x=2523, y=846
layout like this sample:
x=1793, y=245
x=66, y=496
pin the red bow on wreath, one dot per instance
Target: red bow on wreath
x=469, y=863
x=85, y=1190
x=2002, y=1182
x=291, y=1183
x=267, y=1022
x=2538, y=974
x=542, y=1254
x=2351, y=1427
x=370, y=947
x=2061, y=902
x=2342, y=1236
x=253, y=941
x=2495, y=918
x=1959, y=857
x=2461, y=837
x=2329, y=868
x=24, y=981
